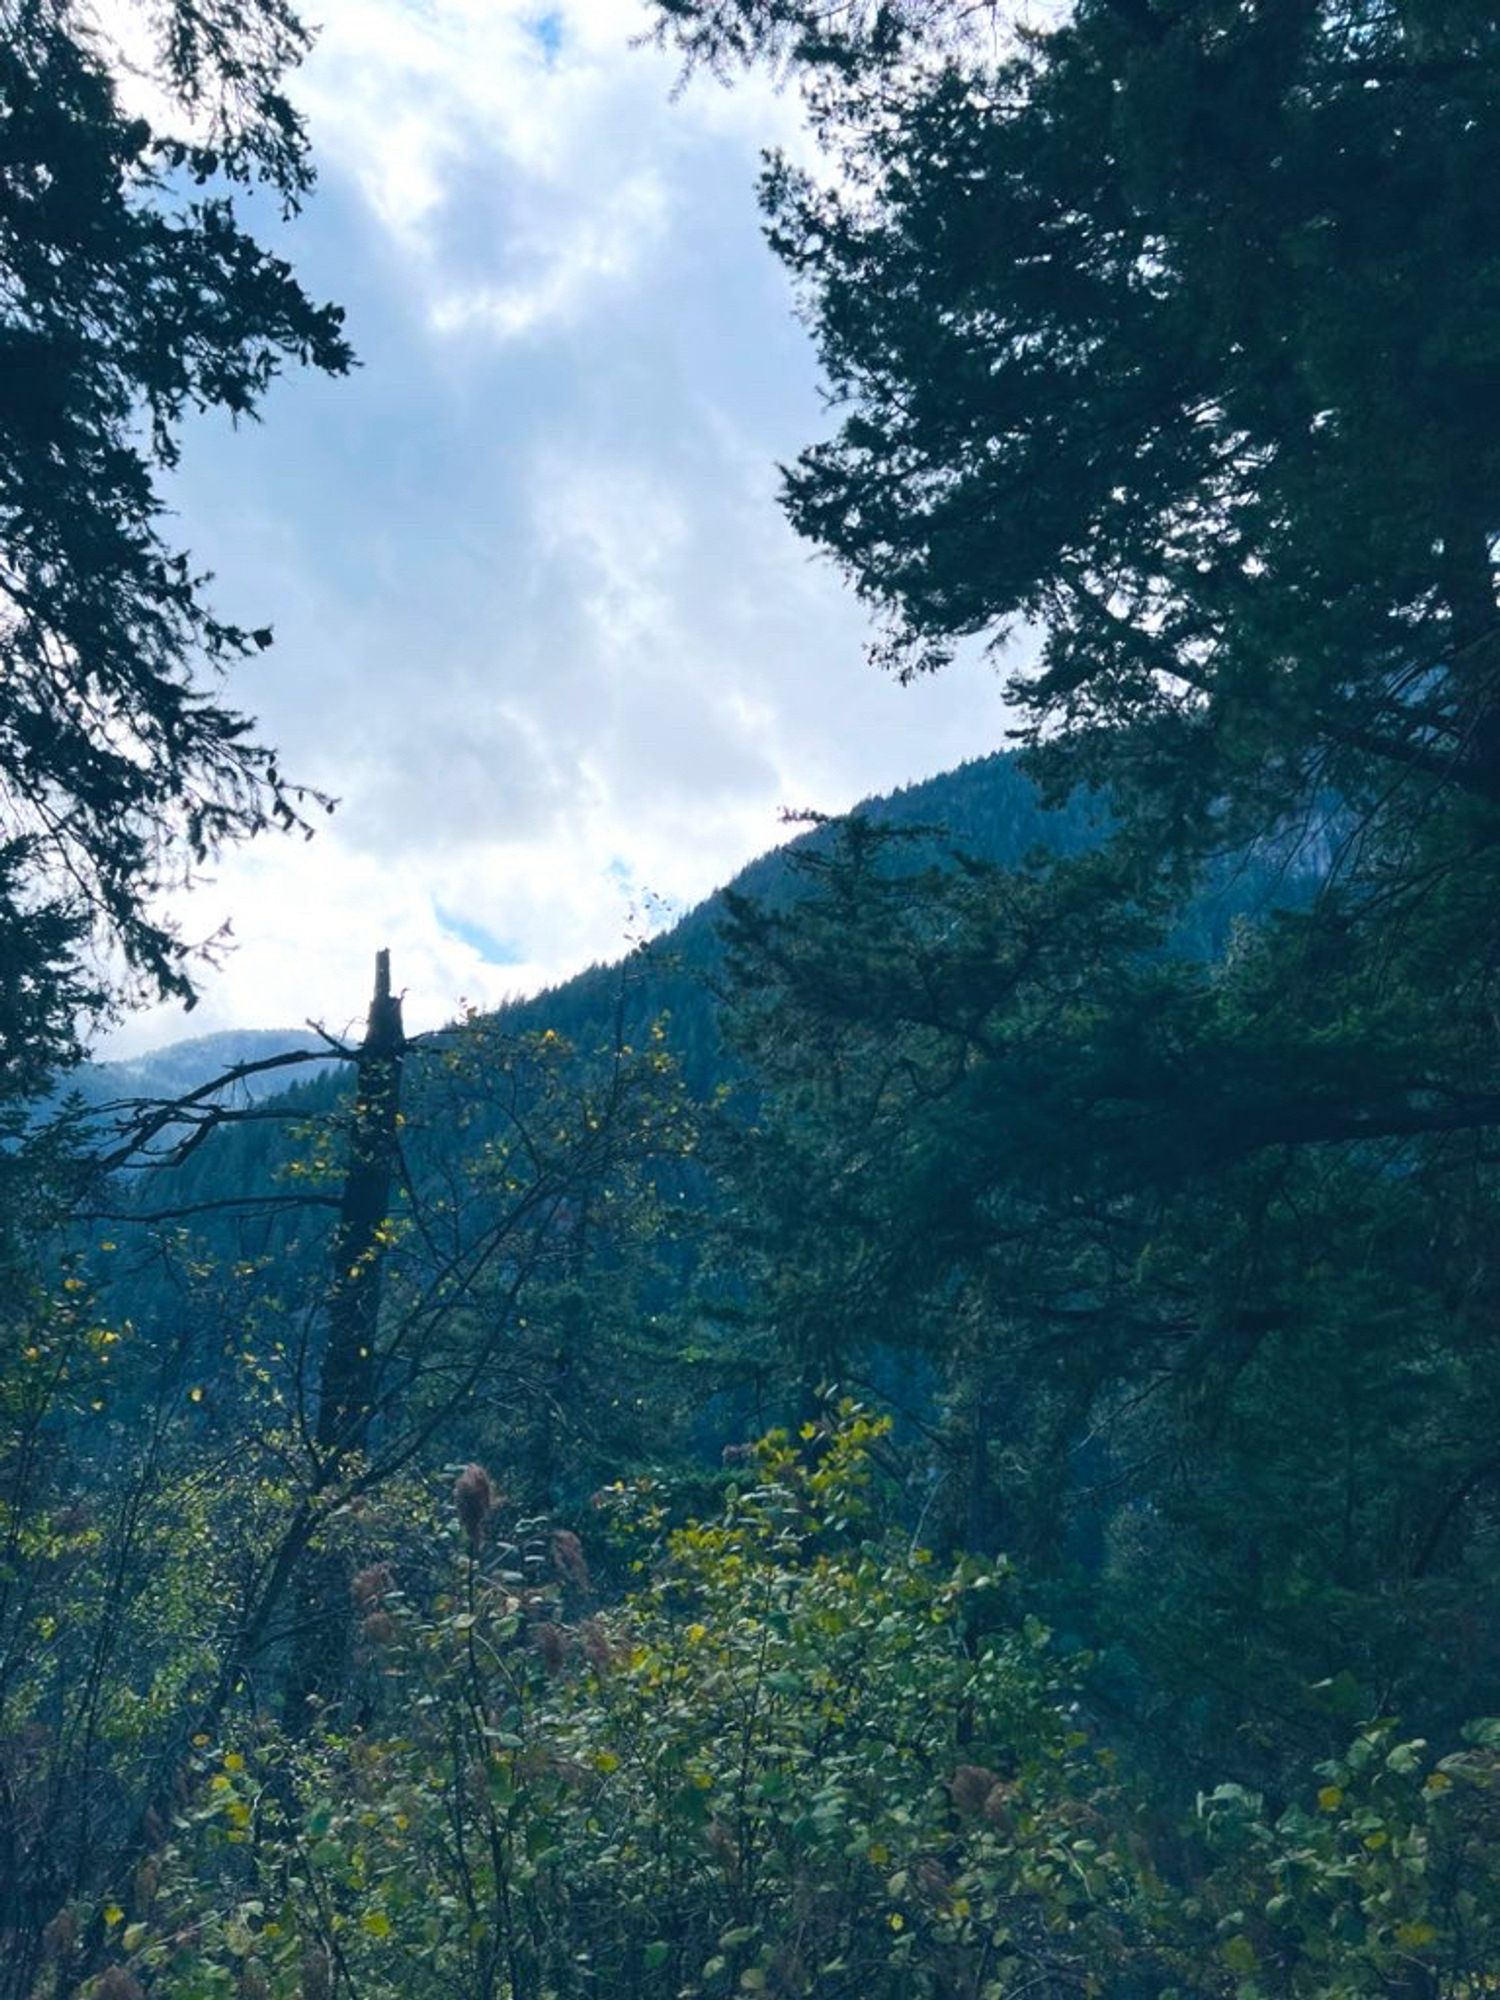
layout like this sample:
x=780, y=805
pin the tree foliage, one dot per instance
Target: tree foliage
x=172, y=1503
x=1020, y=1163
x=1170, y=328
x=799, y=1758
x=131, y=298
x=1174, y=331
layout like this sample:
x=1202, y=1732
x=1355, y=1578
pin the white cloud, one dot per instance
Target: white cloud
x=559, y=269
x=518, y=158
x=540, y=622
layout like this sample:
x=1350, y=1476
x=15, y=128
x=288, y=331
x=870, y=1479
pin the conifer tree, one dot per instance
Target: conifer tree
x=131, y=298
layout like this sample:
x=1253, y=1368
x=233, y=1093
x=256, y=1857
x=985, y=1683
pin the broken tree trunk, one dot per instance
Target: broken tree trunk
x=346, y=1384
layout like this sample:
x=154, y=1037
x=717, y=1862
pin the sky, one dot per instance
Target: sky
x=540, y=625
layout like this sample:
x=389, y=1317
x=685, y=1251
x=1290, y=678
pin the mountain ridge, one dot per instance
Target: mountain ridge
x=985, y=806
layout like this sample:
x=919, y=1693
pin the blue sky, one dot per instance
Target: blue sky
x=540, y=625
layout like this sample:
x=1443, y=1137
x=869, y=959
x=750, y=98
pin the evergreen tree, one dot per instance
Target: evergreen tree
x=1171, y=327
x=130, y=296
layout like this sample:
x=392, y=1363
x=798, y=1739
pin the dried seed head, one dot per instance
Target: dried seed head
x=143, y=1889
x=60, y=1936
x=567, y=1554
x=474, y=1497
x=997, y=1808
x=597, y=1650
x=379, y=1629
x=368, y=1586
x=970, y=1786
x=552, y=1644
x=932, y=1879
x=115, y=1983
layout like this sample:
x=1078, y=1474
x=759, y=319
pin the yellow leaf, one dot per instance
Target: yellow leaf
x=1330, y=1798
x=1411, y=1937
x=112, y=1915
x=377, y=1923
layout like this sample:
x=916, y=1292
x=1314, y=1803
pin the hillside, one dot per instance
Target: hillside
x=985, y=808
x=186, y=1065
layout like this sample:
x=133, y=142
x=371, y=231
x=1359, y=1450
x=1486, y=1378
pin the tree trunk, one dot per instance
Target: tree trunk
x=346, y=1386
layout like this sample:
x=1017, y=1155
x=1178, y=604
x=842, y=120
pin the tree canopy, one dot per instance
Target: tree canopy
x=1138, y=1158
x=1168, y=328
x=1175, y=331
x=131, y=298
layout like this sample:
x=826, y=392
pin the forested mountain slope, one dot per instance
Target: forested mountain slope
x=986, y=809
x=178, y=1067
x=229, y=1200
x=931, y=1435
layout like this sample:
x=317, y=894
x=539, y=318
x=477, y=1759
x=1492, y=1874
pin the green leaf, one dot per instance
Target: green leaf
x=1238, y=1954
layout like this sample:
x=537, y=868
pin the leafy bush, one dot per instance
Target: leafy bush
x=799, y=1758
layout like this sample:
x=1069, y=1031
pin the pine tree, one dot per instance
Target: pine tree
x=131, y=297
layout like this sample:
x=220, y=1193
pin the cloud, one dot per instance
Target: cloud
x=559, y=266
x=540, y=622
x=522, y=161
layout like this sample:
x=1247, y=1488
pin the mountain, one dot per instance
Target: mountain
x=231, y=1189
x=986, y=808
x=187, y=1065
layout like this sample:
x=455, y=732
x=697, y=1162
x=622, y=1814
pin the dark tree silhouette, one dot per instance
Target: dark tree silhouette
x=130, y=297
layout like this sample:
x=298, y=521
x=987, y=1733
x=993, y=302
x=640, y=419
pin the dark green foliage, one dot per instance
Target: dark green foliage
x=1198, y=1338
x=1172, y=328
x=44, y=990
x=1140, y=1157
x=1176, y=330
x=132, y=298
